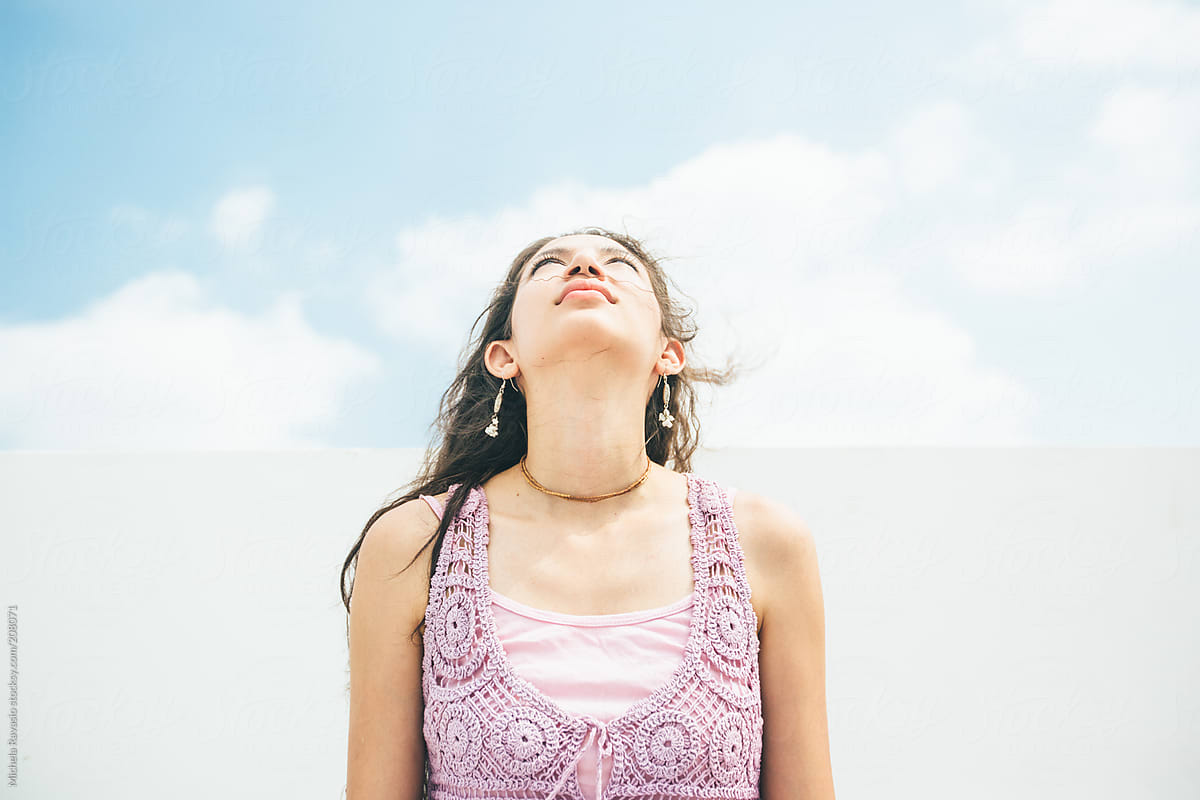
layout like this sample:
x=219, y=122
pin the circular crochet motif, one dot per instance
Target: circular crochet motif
x=455, y=626
x=460, y=739
x=729, y=751
x=666, y=744
x=727, y=628
x=430, y=730
x=524, y=740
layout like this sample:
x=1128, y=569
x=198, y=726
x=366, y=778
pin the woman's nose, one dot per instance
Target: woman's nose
x=585, y=263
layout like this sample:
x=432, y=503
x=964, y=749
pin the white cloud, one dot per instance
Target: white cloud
x=239, y=215
x=933, y=145
x=1128, y=190
x=1032, y=253
x=1153, y=132
x=1074, y=36
x=156, y=363
x=1125, y=191
x=1110, y=33
x=772, y=239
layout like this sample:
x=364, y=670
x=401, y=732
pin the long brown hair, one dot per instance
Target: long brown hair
x=467, y=456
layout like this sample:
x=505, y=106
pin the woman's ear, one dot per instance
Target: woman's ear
x=498, y=361
x=672, y=360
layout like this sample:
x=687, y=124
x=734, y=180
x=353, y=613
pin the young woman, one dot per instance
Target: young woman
x=588, y=623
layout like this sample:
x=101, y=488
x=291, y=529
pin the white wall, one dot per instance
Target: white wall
x=1000, y=622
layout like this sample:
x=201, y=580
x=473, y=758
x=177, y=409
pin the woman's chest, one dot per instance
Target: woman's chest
x=638, y=565
x=625, y=566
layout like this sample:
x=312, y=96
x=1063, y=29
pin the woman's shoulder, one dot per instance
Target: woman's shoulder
x=773, y=538
x=768, y=526
x=404, y=526
x=394, y=561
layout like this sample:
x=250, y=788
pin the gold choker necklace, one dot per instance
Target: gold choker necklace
x=541, y=488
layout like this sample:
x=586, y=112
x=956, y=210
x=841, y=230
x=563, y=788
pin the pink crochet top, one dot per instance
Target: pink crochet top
x=597, y=665
x=518, y=709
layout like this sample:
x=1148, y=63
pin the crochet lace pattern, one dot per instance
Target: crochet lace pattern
x=489, y=733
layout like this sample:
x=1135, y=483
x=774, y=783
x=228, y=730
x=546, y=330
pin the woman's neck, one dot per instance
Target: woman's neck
x=519, y=499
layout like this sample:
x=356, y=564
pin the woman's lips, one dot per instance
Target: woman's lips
x=582, y=292
x=585, y=283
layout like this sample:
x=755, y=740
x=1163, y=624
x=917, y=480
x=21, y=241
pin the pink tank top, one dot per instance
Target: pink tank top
x=659, y=703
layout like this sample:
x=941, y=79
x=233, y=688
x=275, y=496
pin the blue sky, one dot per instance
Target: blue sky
x=271, y=225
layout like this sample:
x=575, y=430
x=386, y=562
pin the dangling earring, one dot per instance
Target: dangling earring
x=493, y=430
x=664, y=416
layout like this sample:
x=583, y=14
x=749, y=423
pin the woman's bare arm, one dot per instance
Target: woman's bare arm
x=386, y=752
x=796, y=761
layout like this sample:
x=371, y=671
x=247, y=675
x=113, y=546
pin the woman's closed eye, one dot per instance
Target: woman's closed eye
x=625, y=261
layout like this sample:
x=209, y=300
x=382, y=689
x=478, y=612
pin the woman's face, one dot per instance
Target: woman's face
x=624, y=314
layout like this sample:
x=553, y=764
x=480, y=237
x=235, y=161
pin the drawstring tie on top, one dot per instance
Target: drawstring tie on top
x=598, y=733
